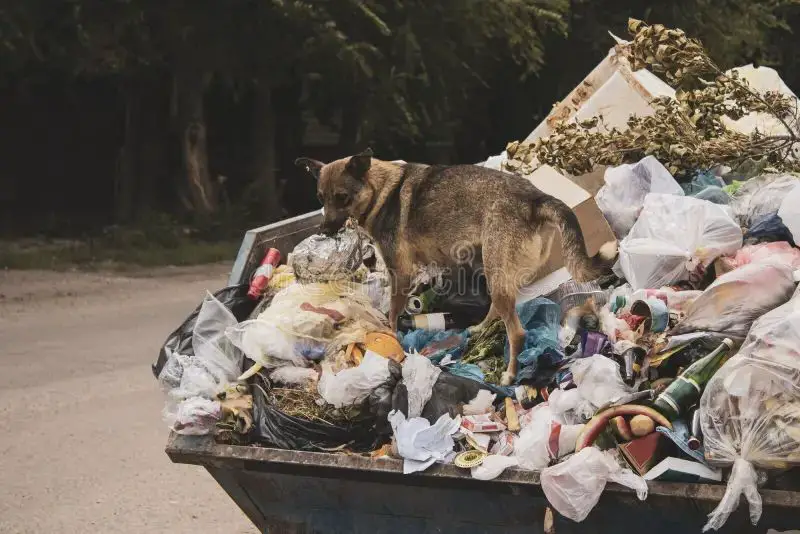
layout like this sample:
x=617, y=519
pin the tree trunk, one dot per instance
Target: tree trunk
x=192, y=127
x=264, y=160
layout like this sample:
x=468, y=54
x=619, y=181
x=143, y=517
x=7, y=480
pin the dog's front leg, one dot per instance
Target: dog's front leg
x=401, y=286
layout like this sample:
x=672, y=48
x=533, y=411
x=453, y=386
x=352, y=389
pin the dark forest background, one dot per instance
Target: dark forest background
x=182, y=117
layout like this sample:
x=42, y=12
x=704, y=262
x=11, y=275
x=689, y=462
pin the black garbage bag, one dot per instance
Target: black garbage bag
x=450, y=394
x=468, y=299
x=274, y=428
x=232, y=297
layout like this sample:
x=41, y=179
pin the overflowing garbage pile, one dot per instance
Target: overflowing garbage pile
x=683, y=366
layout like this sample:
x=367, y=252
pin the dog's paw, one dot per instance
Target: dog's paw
x=507, y=379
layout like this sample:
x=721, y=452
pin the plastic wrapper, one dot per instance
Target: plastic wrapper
x=482, y=403
x=674, y=237
x=626, y=186
x=750, y=409
x=729, y=306
x=574, y=486
x=761, y=196
x=321, y=258
x=353, y=386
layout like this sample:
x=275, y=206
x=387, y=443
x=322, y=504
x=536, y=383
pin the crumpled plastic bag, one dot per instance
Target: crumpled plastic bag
x=435, y=345
x=768, y=229
x=493, y=466
x=354, y=385
x=421, y=444
x=541, y=351
x=321, y=258
x=541, y=431
x=622, y=197
x=673, y=237
x=191, y=380
x=777, y=252
x=729, y=306
x=599, y=380
x=750, y=409
x=419, y=377
x=574, y=486
x=333, y=314
x=761, y=196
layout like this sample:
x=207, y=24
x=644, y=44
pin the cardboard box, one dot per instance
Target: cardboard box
x=594, y=226
x=611, y=90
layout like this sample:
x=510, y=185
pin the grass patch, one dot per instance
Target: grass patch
x=110, y=254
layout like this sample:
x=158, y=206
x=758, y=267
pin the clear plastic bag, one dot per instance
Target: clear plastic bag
x=761, y=196
x=419, y=377
x=750, y=409
x=352, y=386
x=622, y=197
x=729, y=306
x=574, y=487
x=214, y=364
x=673, y=237
x=544, y=438
x=599, y=380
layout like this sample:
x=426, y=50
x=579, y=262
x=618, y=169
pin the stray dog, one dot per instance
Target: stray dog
x=447, y=215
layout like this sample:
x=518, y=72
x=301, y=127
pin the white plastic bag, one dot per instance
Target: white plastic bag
x=736, y=299
x=493, y=466
x=750, y=409
x=419, y=377
x=573, y=487
x=193, y=417
x=761, y=196
x=599, y=380
x=352, y=386
x=541, y=433
x=673, y=237
x=622, y=197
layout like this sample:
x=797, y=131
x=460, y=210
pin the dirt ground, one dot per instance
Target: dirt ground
x=81, y=436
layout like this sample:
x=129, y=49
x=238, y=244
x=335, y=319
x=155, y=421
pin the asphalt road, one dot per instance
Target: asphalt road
x=81, y=436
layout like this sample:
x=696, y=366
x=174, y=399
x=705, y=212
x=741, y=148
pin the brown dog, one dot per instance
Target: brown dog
x=423, y=215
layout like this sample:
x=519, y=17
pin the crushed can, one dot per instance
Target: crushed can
x=258, y=285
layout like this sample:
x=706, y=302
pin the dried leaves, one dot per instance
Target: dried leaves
x=685, y=133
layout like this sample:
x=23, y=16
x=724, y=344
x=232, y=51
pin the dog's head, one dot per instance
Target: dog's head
x=342, y=188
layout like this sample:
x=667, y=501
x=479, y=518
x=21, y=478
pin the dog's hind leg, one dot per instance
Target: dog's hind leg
x=516, y=334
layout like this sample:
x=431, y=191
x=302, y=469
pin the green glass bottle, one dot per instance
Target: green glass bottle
x=685, y=391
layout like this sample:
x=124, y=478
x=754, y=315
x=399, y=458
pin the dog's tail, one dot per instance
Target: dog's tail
x=580, y=265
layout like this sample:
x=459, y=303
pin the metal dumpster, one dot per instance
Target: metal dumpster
x=302, y=492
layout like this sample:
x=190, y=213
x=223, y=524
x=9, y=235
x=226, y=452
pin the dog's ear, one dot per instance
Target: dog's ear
x=312, y=166
x=359, y=164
